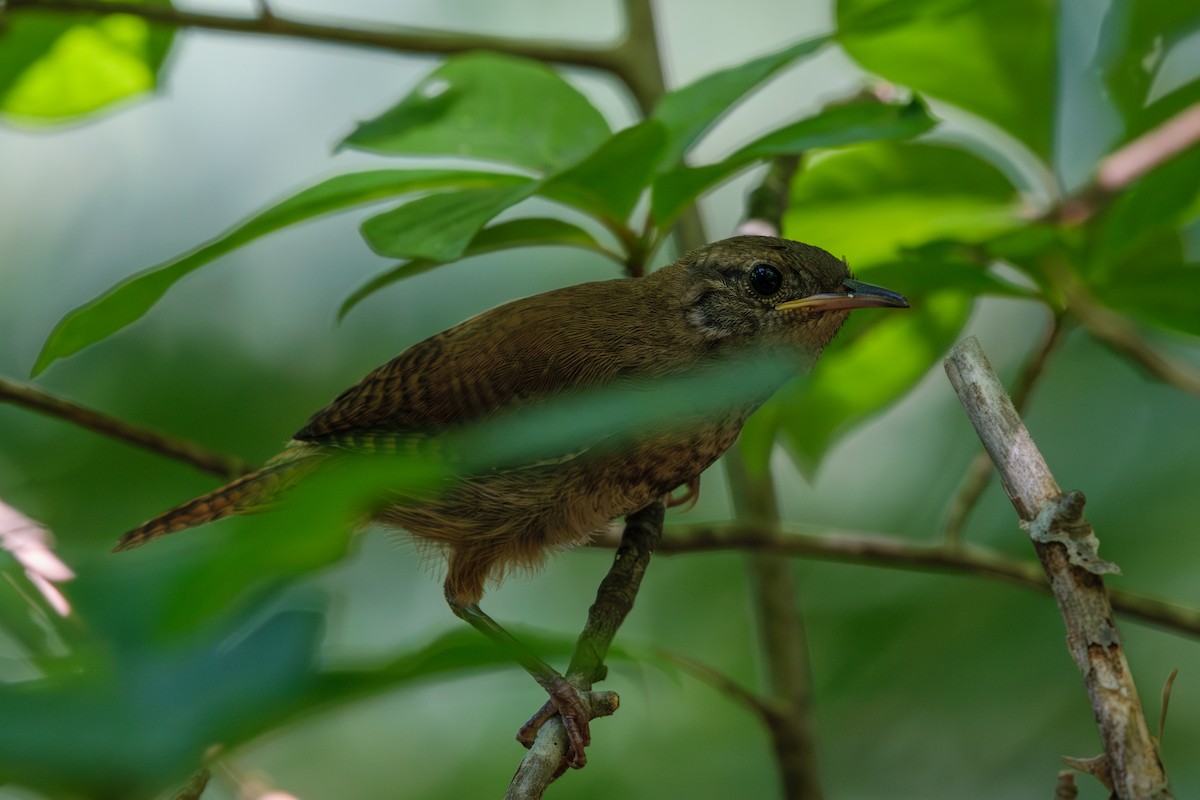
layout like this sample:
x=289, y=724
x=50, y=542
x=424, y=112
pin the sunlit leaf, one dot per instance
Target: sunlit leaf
x=126, y=302
x=490, y=107
x=837, y=126
x=857, y=379
x=609, y=182
x=526, y=232
x=689, y=111
x=994, y=58
x=56, y=68
x=441, y=226
x=870, y=202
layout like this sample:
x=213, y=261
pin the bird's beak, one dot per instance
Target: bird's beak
x=851, y=294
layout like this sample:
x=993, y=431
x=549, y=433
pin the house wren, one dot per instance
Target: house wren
x=725, y=300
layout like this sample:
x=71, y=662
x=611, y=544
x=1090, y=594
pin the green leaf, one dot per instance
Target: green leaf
x=871, y=202
x=837, y=126
x=129, y=727
x=691, y=110
x=56, y=68
x=526, y=232
x=439, y=227
x=857, y=377
x=994, y=58
x=130, y=299
x=490, y=107
x=1155, y=204
x=1165, y=293
x=609, y=182
x=1136, y=40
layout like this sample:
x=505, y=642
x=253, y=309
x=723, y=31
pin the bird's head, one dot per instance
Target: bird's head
x=759, y=291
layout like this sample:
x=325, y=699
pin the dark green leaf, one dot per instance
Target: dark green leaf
x=491, y=107
x=527, y=232
x=1155, y=283
x=691, y=110
x=56, y=68
x=871, y=202
x=1157, y=203
x=1136, y=40
x=99, y=732
x=995, y=59
x=609, y=182
x=439, y=227
x=857, y=377
x=837, y=126
x=133, y=297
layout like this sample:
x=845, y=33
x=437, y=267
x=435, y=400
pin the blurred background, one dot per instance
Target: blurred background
x=925, y=685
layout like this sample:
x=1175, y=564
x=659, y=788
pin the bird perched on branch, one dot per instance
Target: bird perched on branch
x=737, y=299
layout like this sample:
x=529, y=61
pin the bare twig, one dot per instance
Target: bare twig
x=782, y=638
x=1116, y=331
x=195, y=786
x=1064, y=543
x=168, y=446
x=979, y=473
x=1121, y=169
x=622, y=59
x=723, y=684
x=614, y=599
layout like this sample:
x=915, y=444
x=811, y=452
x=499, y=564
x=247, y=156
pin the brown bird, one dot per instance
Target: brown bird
x=715, y=306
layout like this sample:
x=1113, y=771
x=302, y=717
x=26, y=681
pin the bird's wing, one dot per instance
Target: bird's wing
x=526, y=350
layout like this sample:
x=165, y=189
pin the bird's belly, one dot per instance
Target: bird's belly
x=520, y=514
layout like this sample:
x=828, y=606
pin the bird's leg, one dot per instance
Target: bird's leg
x=564, y=697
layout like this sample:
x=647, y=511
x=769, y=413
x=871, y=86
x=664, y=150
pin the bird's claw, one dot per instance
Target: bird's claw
x=689, y=497
x=566, y=702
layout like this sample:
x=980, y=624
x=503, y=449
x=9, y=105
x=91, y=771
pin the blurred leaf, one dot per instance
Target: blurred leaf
x=441, y=226
x=994, y=58
x=1135, y=40
x=609, y=182
x=1157, y=203
x=857, y=379
x=491, y=107
x=126, y=302
x=870, y=202
x=526, y=232
x=1156, y=285
x=100, y=731
x=56, y=68
x=689, y=111
x=839, y=125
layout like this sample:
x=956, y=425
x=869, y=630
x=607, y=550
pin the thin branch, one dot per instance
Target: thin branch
x=614, y=599
x=1066, y=546
x=1124, y=167
x=1116, y=331
x=36, y=400
x=979, y=473
x=723, y=684
x=612, y=59
x=783, y=641
x=889, y=552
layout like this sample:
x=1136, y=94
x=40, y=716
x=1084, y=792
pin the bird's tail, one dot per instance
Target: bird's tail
x=251, y=492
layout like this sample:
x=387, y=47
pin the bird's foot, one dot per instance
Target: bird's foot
x=567, y=703
x=689, y=497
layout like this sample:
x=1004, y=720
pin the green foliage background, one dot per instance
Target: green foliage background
x=926, y=686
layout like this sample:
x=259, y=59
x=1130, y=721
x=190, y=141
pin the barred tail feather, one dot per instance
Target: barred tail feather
x=248, y=493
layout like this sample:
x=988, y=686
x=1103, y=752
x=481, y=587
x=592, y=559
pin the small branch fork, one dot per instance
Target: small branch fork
x=1065, y=544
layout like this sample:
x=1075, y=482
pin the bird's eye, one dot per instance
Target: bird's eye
x=765, y=280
